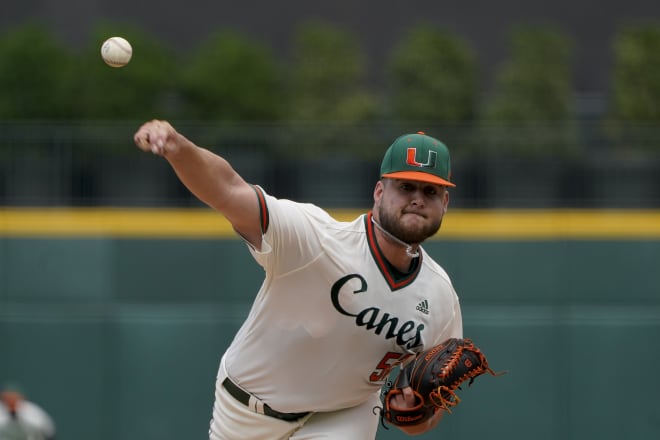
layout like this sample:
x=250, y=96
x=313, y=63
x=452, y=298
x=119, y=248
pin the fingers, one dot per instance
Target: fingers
x=154, y=136
x=404, y=399
x=408, y=396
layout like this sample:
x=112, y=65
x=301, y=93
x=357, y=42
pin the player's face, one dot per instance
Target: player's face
x=412, y=211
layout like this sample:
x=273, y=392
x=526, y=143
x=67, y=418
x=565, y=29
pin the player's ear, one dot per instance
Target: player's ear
x=378, y=190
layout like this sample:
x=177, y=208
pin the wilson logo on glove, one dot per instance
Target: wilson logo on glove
x=434, y=375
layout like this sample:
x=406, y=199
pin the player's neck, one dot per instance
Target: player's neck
x=399, y=253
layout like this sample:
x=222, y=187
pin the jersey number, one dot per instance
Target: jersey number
x=384, y=367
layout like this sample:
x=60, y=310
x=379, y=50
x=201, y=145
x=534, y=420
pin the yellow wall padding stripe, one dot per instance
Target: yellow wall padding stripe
x=552, y=224
x=205, y=223
x=86, y=222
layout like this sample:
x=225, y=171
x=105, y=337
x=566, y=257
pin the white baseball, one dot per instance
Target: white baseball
x=116, y=51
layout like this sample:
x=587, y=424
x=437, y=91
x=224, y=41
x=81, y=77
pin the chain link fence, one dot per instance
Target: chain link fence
x=592, y=165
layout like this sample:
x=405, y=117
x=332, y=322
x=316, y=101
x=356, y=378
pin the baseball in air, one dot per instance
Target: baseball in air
x=116, y=51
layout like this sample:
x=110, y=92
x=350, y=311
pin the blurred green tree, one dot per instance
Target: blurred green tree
x=532, y=107
x=433, y=78
x=36, y=74
x=634, y=113
x=327, y=78
x=232, y=78
x=536, y=82
x=328, y=101
x=636, y=74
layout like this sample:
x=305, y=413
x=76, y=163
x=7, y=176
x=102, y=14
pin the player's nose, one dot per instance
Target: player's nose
x=417, y=198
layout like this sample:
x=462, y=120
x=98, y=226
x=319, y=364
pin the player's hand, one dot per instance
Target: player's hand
x=158, y=137
x=406, y=399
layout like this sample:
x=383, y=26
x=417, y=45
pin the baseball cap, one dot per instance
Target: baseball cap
x=417, y=157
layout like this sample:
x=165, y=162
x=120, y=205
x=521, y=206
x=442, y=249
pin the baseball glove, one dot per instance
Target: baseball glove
x=434, y=375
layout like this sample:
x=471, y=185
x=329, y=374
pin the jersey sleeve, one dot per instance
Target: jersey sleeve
x=291, y=234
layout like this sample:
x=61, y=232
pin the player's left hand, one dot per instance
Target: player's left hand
x=406, y=401
x=425, y=388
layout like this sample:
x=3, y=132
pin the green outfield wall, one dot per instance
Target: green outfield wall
x=115, y=320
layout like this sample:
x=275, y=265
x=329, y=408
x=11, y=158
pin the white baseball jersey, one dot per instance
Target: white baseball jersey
x=332, y=317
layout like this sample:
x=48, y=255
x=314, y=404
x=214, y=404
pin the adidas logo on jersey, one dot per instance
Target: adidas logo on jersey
x=423, y=307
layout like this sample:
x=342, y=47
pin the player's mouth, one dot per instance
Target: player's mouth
x=415, y=213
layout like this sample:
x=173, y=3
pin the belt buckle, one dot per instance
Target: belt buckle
x=257, y=405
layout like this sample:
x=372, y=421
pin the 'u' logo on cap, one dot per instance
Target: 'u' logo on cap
x=411, y=159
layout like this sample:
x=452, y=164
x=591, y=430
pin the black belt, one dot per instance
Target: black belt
x=244, y=397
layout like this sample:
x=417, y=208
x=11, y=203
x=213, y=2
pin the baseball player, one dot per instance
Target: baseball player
x=341, y=304
x=21, y=419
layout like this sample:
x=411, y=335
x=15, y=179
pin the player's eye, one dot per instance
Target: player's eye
x=430, y=191
x=405, y=186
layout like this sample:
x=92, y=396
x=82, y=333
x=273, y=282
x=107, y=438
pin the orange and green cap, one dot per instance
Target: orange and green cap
x=417, y=157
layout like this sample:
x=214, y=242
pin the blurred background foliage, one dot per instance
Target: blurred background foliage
x=514, y=126
x=327, y=94
x=633, y=115
x=229, y=78
x=36, y=75
x=327, y=77
x=431, y=76
x=636, y=87
x=531, y=109
x=432, y=79
x=535, y=83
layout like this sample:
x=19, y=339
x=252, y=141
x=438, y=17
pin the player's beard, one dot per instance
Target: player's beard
x=392, y=224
